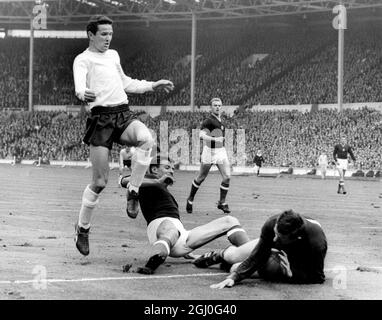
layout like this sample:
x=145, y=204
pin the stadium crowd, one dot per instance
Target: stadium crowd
x=315, y=81
x=235, y=76
x=300, y=66
x=53, y=135
x=286, y=137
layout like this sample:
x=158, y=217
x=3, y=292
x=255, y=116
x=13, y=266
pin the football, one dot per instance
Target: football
x=272, y=269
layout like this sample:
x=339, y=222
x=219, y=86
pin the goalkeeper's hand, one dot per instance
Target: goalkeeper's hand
x=225, y=283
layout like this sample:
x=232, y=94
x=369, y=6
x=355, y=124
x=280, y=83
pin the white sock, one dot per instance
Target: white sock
x=141, y=160
x=163, y=246
x=89, y=202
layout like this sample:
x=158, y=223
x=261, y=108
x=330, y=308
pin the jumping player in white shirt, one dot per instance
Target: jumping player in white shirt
x=100, y=81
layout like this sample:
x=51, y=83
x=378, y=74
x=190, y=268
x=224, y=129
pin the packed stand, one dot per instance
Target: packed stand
x=301, y=65
x=286, y=137
x=30, y=135
x=315, y=81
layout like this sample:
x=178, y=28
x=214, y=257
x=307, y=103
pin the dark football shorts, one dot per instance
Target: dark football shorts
x=127, y=163
x=105, y=125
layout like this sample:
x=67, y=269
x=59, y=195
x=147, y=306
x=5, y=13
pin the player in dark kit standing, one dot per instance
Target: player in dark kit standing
x=212, y=133
x=101, y=82
x=165, y=230
x=259, y=159
x=298, y=243
x=340, y=155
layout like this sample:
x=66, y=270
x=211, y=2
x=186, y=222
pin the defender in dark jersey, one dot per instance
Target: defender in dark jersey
x=212, y=133
x=258, y=160
x=340, y=155
x=165, y=230
x=298, y=243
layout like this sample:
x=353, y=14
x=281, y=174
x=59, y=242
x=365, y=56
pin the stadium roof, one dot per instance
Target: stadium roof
x=78, y=11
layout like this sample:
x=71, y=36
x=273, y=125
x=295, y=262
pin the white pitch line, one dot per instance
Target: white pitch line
x=113, y=278
x=371, y=227
x=148, y=277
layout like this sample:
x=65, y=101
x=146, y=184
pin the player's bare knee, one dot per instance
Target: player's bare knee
x=229, y=222
x=145, y=140
x=231, y=255
x=99, y=184
x=147, y=144
x=233, y=221
x=226, y=179
x=199, y=179
x=167, y=230
x=231, y=259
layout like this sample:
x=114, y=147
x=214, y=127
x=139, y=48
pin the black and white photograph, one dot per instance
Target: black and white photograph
x=190, y=155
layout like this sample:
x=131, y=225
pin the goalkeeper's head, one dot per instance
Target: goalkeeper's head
x=288, y=227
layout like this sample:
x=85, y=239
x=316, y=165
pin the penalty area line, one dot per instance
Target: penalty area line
x=195, y=275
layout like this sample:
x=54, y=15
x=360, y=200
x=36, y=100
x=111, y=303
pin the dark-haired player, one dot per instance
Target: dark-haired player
x=340, y=155
x=165, y=231
x=299, y=241
x=101, y=82
x=212, y=133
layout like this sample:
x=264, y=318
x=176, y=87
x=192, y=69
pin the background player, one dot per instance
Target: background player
x=125, y=156
x=165, y=230
x=100, y=81
x=298, y=242
x=340, y=155
x=323, y=164
x=212, y=133
x=258, y=160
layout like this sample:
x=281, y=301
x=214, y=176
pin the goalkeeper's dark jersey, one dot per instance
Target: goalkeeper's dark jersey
x=306, y=255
